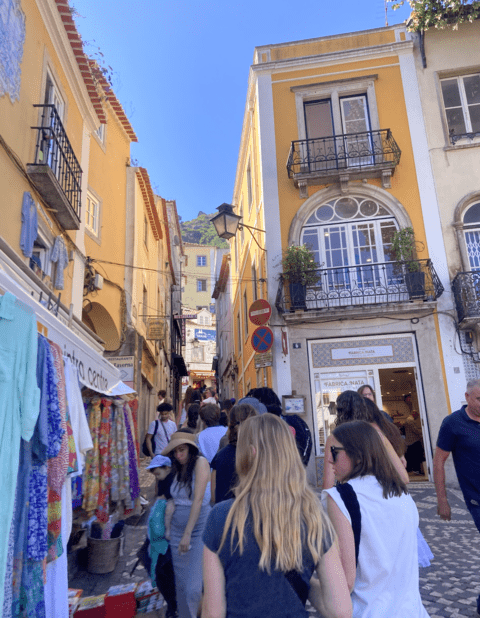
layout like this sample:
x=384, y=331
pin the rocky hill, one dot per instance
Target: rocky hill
x=201, y=232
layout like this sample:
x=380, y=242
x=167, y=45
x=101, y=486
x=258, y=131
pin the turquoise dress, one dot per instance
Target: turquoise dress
x=19, y=404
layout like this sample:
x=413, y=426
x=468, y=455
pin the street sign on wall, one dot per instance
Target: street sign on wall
x=260, y=312
x=262, y=339
x=205, y=335
x=263, y=360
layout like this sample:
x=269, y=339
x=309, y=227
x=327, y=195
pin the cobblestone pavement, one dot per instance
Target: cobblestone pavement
x=449, y=587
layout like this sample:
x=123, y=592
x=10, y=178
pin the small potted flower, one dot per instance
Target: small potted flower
x=299, y=268
x=404, y=247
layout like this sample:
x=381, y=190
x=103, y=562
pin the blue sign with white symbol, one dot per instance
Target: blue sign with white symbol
x=205, y=335
x=262, y=339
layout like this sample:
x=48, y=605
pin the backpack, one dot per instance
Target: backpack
x=303, y=437
x=145, y=450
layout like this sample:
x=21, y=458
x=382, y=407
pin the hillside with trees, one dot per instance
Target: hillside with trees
x=201, y=232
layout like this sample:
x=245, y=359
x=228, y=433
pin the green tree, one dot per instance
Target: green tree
x=439, y=13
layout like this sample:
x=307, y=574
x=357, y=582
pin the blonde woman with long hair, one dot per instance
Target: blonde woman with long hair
x=263, y=546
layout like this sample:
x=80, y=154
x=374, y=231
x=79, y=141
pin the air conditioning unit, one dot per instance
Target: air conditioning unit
x=98, y=281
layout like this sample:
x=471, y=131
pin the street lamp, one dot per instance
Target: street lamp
x=227, y=222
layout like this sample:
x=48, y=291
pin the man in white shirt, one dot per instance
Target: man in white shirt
x=209, y=397
x=209, y=438
x=165, y=429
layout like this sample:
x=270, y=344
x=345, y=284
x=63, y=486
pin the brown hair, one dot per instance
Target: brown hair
x=238, y=414
x=363, y=387
x=364, y=447
x=389, y=430
x=210, y=414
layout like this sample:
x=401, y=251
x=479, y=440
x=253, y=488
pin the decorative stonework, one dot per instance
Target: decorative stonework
x=402, y=352
x=12, y=38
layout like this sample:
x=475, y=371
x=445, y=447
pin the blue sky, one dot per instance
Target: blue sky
x=181, y=70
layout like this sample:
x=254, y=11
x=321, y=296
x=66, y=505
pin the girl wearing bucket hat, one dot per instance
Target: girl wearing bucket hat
x=190, y=491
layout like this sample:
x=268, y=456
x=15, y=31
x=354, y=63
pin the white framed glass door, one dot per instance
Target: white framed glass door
x=356, y=122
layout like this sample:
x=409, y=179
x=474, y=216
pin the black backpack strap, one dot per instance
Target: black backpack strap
x=153, y=437
x=348, y=495
x=298, y=584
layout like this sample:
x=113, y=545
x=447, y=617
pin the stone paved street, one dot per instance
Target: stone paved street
x=449, y=587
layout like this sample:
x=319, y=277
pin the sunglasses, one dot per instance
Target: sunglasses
x=334, y=450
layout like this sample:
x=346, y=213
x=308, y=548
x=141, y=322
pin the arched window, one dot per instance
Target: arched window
x=350, y=231
x=351, y=237
x=471, y=229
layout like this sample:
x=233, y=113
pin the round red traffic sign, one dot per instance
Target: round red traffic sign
x=262, y=339
x=260, y=312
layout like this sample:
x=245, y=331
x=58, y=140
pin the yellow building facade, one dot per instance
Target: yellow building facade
x=82, y=233
x=333, y=157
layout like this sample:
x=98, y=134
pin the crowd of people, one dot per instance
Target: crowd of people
x=237, y=531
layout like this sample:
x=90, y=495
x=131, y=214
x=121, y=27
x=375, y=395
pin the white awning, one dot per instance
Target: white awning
x=94, y=370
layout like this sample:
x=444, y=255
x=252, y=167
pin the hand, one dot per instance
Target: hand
x=184, y=545
x=443, y=509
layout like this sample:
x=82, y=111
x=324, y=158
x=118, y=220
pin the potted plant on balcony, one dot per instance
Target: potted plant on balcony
x=404, y=247
x=299, y=268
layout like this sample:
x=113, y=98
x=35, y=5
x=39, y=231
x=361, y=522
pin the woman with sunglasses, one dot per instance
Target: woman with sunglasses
x=350, y=407
x=383, y=576
x=263, y=546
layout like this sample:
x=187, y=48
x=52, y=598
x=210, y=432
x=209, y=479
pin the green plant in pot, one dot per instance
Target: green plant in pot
x=404, y=248
x=299, y=268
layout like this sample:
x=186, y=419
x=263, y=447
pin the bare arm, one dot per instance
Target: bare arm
x=148, y=442
x=443, y=507
x=346, y=541
x=328, y=474
x=202, y=476
x=214, y=601
x=330, y=594
x=213, y=483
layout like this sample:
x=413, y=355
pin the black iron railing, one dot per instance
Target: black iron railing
x=53, y=149
x=368, y=284
x=466, y=291
x=343, y=152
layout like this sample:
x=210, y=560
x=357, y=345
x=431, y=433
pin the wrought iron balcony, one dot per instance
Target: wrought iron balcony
x=339, y=157
x=466, y=291
x=367, y=284
x=56, y=171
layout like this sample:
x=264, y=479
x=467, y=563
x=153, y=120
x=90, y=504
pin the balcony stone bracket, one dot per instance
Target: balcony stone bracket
x=387, y=178
x=303, y=189
x=343, y=179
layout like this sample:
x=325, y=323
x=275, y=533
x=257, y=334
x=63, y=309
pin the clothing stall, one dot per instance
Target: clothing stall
x=66, y=421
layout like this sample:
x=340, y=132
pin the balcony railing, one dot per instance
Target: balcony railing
x=56, y=170
x=466, y=291
x=371, y=153
x=368, y=284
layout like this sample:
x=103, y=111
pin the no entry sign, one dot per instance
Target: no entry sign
x=262, y=339
x=260, y=312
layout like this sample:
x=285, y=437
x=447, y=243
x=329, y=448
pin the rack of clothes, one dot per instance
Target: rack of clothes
x=56, y=447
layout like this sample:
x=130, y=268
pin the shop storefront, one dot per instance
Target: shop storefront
x=389, y=364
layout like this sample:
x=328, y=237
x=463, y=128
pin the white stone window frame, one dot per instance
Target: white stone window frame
x=201, y=260
x=335, y=90
x=450, y=74
x=461, y=227
x=91, y=232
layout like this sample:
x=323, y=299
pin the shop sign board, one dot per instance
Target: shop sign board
x=205, y=335
x=262, y=339
x=366, y=352
x=125, y=365
x=263, y=360
x=260, y=312
x=156, y=329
